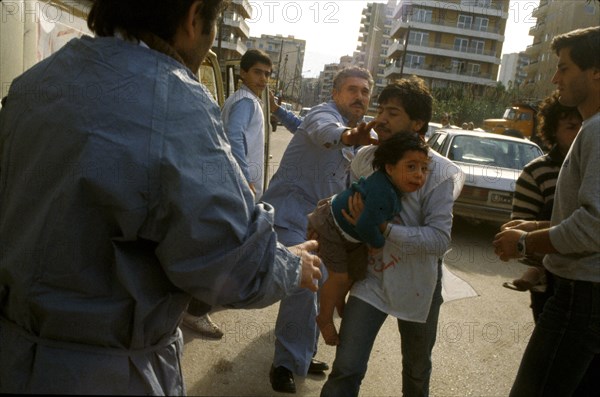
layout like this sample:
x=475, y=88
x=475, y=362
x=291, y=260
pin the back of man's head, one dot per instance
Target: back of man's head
x=584, y=45
x=254, y=56
x=352, y=71
x=159, y=17
x=414, y=96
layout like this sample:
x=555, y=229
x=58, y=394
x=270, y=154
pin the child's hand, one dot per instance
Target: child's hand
x=356, y=206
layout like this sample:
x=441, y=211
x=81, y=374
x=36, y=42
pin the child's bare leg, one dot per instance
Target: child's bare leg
x=333, y=291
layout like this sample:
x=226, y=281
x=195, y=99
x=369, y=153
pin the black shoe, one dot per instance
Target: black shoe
x=317, y=367
x=282, y=380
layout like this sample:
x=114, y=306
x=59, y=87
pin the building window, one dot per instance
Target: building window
x=481, y=24
x=474, y=69
x=461, y=44
x=422, y=15
x=414, y=61
x=477, y=46
x=464, y=21
x=418, y=38
x=456, y=66
x=477, y=3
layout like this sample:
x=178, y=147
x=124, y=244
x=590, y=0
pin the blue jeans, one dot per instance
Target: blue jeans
x=360, y=326
x=564, y=342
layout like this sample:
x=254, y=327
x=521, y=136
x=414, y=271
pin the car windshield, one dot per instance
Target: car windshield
x=493, y=152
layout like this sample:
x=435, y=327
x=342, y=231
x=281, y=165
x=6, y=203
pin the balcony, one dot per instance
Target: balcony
x=533, y=50
x=541, y=10
x=536, y=29
x=236, y=45
x=496, y=9
x=243, y=7
x=450, y=51
x=395, y=50
x=237, y=23
x=401, y=25
x=392, y=72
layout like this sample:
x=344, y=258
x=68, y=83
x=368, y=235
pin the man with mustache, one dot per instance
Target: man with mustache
x=314, y=166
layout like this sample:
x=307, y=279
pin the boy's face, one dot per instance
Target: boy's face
x=392, y=118
x=410, y=172
x=257, y=77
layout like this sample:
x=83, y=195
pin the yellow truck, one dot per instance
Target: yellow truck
x=518, y=120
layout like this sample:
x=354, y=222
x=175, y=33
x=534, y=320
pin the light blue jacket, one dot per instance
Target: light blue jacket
x=119, y=201
x=315, y=165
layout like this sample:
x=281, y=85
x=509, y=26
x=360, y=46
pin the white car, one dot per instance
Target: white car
x=492, y=164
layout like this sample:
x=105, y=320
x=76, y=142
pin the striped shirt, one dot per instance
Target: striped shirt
x=534, y=193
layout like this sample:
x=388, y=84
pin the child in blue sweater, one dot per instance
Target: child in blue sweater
x=401, y=165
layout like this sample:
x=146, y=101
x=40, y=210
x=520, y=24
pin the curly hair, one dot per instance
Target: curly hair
x=414, y=96
x=393, y=149
x=156, y=16
x=551, y=112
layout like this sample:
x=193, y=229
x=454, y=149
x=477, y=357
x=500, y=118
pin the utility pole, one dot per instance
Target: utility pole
x=279, y=67
x=284, y=70
x=219, y=41
x=405, y=50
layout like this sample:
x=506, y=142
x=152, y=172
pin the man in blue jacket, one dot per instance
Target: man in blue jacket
x=315, y=165
x=116, y=211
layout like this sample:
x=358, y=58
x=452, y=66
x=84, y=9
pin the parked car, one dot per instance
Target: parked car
x=491, y=164
x=433, y=127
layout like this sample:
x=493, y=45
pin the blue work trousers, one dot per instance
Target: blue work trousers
x=296, y=331
x=360, y=326
x=564, y=342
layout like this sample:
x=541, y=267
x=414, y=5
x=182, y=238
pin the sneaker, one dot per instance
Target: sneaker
x=202, y=325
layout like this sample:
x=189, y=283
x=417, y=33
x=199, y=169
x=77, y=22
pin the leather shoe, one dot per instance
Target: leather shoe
x=316, y=367
x=282, y=380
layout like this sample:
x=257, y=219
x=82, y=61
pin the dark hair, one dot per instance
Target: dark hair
x=254, y=56
x=584, y=45
x=352, y=71
x=156, y=16
x=393, y=149
x=414, y=96
x=551, y=112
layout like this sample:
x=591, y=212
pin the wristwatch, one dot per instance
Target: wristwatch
x=521, y=246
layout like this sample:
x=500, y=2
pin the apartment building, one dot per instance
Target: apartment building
x=513, y=69
x=233, y=31
x=287, y=54
x=448, y=42
x=554, y=17
x=373, y=43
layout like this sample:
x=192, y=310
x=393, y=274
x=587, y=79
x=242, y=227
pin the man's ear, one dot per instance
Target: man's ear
x=192, y=23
